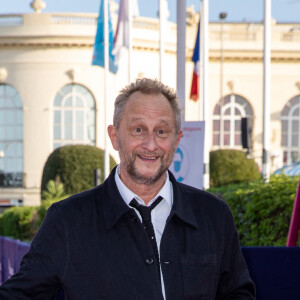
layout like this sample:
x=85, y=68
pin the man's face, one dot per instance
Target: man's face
x=146, y=139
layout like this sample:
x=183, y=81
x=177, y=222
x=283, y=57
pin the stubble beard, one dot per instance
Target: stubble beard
x=128, y=161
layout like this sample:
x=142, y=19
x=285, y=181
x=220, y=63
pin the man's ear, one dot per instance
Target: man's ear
x=112, y=133
x=179, y=136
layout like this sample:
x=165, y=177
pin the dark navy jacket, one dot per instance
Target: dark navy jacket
x=93, y=246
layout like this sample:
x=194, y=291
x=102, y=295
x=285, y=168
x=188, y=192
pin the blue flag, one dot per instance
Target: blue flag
x=98, y=56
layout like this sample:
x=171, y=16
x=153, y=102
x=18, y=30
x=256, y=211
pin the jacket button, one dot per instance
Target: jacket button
x=149, y=261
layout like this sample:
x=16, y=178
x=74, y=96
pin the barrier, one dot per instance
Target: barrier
x=274, y=270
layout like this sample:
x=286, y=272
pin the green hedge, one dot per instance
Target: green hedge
x=75, y=165
x=231, y=166
x=262, y=211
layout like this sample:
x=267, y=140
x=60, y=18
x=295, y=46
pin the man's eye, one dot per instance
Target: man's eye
x=161, y=132
x=138, y=130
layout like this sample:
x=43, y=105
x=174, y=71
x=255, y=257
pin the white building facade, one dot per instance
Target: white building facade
x=51, y=95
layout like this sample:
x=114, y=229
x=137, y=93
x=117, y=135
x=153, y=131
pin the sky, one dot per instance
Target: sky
x=237, y=10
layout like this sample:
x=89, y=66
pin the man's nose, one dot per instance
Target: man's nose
x=149, y=142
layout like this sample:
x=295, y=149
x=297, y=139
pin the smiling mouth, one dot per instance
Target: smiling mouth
x=148, y=158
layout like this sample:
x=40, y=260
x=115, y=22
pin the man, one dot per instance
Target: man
x=105, y=244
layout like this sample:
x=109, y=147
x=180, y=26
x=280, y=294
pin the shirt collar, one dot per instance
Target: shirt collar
x=166, y=192
x=115, y=207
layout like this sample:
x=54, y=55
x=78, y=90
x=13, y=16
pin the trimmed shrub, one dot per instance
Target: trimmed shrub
x=75, y=165
x=262, y=210
x=19, y=222
x=231, y=166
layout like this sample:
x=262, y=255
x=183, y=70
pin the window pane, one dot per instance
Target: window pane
x=237, y=124
x=295, y=142
x=79, y=117
x=66, y=90
x=285, y=111
x=227, y=125
x=217, y=110
x=68, y=132
x=227, y=111
x=248, y=111
x=237, y=139
x=295, y=126
x=57, y=132
x=296, y=112
x=57, y=117
x=216, y=139
x=19, y=132
x=10, y=165
x=285, y=157
x=216, y=125
x=284, y=140
x=89, y=101
x=284, y=125
x=226, y=139
x=78, y=102
x=19, y=165
x=90, y=117
x=294, y=156
x=57, y=100
x=79, y=133
x=2, y=133
x=10, y=117
x=19, y=117
x=68, y=102
x=91, y=133
x=19, y=149
x=68, y=117
x=10, y=150
x=1, y=102
x=10, y=133
x=237, y=112
x=2, y=117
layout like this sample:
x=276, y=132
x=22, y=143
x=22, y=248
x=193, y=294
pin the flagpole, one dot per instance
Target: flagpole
x=181, y=23
x=129, y=9
x=162, y=15
x=201, y=71
x=106, y=89
x=266, y=92
x=206, y=107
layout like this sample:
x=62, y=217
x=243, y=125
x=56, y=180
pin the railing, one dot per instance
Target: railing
x=11, y=20
x=11, y=179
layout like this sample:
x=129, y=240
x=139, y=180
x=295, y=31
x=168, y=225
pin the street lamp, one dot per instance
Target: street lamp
x=222, y=17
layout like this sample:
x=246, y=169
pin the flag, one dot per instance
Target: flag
x=194, y=95
x=98, y=56
x=121, y=41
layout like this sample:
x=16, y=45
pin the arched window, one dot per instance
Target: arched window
x=227, y=118
x=290, y=131
x=74, y=116
x=11, y=137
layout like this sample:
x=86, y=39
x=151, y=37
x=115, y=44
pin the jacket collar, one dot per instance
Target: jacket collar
x=182, y=207
x=115, y=207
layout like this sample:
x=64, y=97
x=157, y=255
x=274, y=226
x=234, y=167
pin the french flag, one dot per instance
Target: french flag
x=194, y=95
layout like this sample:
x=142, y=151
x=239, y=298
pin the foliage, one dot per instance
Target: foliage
x=19, y=222
x=229, y=166
x=262, y=210
x=75, y=165
x=54, y=191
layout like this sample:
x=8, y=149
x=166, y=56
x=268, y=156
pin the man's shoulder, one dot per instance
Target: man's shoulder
x=83, y=200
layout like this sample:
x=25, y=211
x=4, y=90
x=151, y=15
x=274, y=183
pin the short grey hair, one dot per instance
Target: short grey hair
x=149, y=87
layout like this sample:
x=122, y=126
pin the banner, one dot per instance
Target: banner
x=187, y=166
